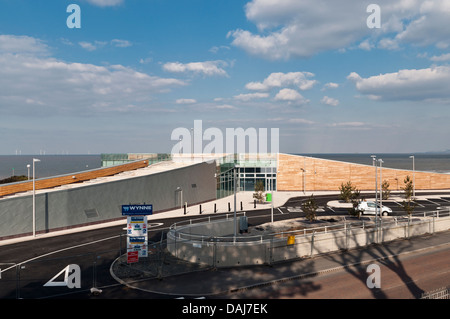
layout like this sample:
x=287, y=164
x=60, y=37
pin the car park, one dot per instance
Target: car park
x=368, y=207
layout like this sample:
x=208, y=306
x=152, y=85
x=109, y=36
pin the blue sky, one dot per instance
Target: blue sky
x=138, y=69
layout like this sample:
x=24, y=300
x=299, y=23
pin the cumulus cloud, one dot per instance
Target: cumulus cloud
x=46, y=85
x=330, y=85
x=186, y=101
x=22, y=45
x=276, y=80
x=329, y=101
x=409, y=84
x=291, y=96
x=302, y=28
x=207, y=68
x=92, y=46
x=106, y=3
x=251, y=96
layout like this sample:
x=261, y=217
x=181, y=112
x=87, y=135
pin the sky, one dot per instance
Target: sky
x=322, y=72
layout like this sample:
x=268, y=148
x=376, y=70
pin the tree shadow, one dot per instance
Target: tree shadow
x=384, y=253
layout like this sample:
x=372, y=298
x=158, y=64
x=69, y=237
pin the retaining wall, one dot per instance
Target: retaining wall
x=214, y=252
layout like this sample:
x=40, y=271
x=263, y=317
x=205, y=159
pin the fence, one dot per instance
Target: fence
x=208, y=240
x=441, y=293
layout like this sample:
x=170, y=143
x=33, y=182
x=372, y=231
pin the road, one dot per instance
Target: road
x=27, y=266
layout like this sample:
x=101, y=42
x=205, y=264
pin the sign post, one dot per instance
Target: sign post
x=137, y=237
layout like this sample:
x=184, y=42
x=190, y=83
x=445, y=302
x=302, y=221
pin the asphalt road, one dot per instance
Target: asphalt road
x=28, y=266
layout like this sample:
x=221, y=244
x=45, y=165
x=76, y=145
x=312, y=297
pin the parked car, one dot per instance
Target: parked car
x=370, y=208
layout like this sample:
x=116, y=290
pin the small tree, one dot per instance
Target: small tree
x=309, y=206
x=349, y=192
x=408, y=187
x=259, y=190
x=408, y=206
x=385, y=190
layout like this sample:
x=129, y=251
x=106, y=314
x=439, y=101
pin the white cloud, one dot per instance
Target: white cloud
x=289, y=95
x=121, y=43
x=330, y=85
x=22, y=45
x=207, y=68
x=251, y=96
x=329, y=101
x=88, y=46
x=45, y=85
x=92, y=46
x=423, y=84
x=277, y=80
x=299, y=121
x=302, y=28
x=441, y=58
x=216, y=49
x=105, y=3
x=186, y=101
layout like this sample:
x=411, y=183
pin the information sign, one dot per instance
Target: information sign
x=135, y=210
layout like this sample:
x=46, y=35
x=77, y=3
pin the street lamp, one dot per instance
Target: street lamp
x=34, y=197
x=374, y=159
x=28, y=167
x=414, y=177
x=381, y=189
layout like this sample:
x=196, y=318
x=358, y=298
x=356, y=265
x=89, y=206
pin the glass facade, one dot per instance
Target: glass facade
x=248, y=171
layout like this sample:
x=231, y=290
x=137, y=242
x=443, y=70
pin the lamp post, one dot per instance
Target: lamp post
x=381, y=189
x=414, y=177
x=234, y=182
x=34, y=197
x=374, y=160
x=28, y=167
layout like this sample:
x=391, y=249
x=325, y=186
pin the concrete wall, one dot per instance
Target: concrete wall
x=322, y=174
x=97, y=203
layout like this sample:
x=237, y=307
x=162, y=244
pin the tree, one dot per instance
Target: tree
x=259, y=190
x=348, y=192
x=407, y=205
x=408, y=187
x=385, y=189
x=309, y=206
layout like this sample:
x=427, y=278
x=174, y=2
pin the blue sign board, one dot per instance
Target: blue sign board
x=133, y=210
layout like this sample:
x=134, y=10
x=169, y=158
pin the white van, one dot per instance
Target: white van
x=369, y=208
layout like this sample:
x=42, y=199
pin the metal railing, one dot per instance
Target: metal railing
x=181, y=230
x=441, y=293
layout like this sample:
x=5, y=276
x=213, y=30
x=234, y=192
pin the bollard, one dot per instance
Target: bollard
x=229, y=207
x=215, y=210
x=200, y=209
x=241, y=206
x=254, y=203
x=184, y=208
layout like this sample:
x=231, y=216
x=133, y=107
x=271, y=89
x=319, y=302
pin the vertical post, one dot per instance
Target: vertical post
x=234, y=177
x=34, y=197
x=414, y=177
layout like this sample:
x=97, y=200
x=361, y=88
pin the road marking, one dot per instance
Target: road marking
x=280, y=210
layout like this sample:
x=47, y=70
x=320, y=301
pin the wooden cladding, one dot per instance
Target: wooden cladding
x=298, y=173
x=9, y=189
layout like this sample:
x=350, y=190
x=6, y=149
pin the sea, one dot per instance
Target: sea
x=49, y=165
x=54, y=165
